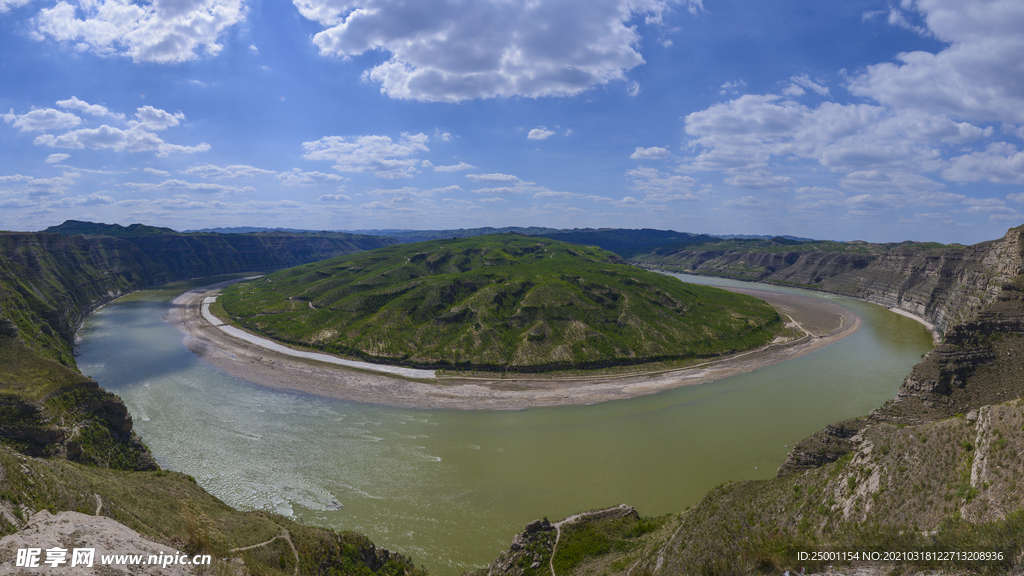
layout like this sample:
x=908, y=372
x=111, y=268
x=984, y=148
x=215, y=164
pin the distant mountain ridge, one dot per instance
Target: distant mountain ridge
x=623, y=241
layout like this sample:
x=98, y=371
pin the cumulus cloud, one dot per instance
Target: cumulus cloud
x=333, y=198
x=743, y=135
x=652, y=153
x=118, y=140
x=976, y=77
x=42, y=120
x=541, y=133
x=454, y=167
x=377, y=154
x=999, y=163
x=84, y=107
x=137, y=135
x=57, y=158
x=36, y=187
x=6, y=5
x=446, y=50
x=158, y=31
x=212, y=172
x=299, y=178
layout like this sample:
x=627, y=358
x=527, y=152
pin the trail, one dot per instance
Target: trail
x=569, y=520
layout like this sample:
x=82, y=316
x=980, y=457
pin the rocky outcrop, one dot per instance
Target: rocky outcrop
x=116, y=549
x=80, y=422
x=529, y=554
x=823, y=447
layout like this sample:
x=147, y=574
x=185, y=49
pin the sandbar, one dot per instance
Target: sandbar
x=281, y=368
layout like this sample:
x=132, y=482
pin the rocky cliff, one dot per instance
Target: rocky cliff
x=51, y=280
x=945, y=285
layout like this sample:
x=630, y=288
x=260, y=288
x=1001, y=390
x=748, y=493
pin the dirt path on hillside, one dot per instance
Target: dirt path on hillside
x=824, y=322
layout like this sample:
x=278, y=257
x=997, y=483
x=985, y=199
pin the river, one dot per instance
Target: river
x=451, y=488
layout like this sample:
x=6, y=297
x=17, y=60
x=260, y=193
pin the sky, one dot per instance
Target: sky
x=845, y=120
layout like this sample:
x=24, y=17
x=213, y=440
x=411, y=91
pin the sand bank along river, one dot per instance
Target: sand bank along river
x=451, y=487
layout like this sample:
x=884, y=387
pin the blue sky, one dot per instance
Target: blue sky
x=860, y=119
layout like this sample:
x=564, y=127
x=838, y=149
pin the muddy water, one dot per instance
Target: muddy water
x=452, y=488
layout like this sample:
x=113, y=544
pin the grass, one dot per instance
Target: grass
x=497, y=303
x=169, y=507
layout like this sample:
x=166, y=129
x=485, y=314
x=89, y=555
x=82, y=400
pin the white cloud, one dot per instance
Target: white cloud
x=732, y=87
x=747, y=202
x=106, y=137
x=657, y=186
x=138, y=136
x=744, y=135
x=999, y=163
x=454, y=167
x=975, y=77
x=36, y=187
x=333, y=198
x=212, y=172
x=760, y=181
x=57, y=158
x=377, y=154
x=150, y=118
x=6, y=5
x=42, y=120
x=798, y=83
x=988, y=205
x=74, y=103
x=159, y=31
x=298, y=178
x=446, y=50
x=496, y=177
x=541, y=133
x=157, y=172
x=181, y=186
x=652, y=153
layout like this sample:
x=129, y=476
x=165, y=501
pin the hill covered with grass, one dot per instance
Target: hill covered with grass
x=499, y=302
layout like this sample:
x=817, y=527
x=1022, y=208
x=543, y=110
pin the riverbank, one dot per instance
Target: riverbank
x=283, y=368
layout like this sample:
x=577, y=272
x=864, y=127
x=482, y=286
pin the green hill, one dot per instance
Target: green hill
x=500, y=302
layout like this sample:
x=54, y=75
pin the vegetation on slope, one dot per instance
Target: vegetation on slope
x=66, y=444
x=503, y=302
x=47, y=409
x=171, y=508
x=49, y=281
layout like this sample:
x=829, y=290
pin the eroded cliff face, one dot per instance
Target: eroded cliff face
x=945, y=285
x=979, y=363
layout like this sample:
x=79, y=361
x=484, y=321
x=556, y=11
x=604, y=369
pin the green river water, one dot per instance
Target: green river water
x=451, y=488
